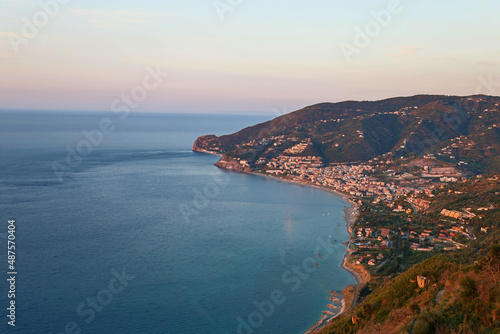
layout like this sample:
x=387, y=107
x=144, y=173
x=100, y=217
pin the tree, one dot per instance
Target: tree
x=469, y=288
x=415, y=308
x=492, y=263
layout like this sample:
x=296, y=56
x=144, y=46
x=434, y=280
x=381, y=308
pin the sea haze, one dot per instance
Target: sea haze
x=141, y=235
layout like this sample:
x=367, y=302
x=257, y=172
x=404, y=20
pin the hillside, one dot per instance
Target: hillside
x=424, y=172
x=450, y=127
x=462, y=297
x=461, y=293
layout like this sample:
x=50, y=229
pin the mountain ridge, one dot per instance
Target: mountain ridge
x=357, y=131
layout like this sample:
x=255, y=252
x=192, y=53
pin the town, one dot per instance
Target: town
x=396, y=192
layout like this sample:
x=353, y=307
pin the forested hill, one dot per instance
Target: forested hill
x=455, y=129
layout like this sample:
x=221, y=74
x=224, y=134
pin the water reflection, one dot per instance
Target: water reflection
x=288, y=225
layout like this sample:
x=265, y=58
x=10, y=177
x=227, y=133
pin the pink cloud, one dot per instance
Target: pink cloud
x=407, y=51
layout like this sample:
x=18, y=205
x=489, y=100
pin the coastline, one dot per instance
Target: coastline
x=199, y=150
x=351, y=214
x=359, y=273
x=308, y=184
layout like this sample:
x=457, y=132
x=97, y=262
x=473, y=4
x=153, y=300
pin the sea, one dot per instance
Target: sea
x=119, y=227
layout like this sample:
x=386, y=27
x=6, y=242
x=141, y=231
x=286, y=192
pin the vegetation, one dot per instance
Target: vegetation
x=462, y=298
x=457, y=130
x=449, y=235
x=464, y=291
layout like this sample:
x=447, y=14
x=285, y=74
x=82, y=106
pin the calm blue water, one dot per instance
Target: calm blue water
x=141, y=235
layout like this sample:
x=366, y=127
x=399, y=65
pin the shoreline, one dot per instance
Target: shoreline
x=307, y=184
x=206, y=152
x=348, y=297
x=351, y=213
x=359, y=273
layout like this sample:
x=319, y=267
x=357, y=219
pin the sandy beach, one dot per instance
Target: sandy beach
x=359, y=272
x=361, y=275
x=350, y=214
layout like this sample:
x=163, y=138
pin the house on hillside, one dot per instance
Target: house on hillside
x=385, y=232
x=423, y=281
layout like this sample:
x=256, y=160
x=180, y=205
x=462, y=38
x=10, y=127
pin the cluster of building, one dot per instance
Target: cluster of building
x=350, y=179
x=445, y=174
x=419, y=204
x=275, y=140
x=369, y=243
x=442, y=239
x=298, y=165
x=457, y=143
x=457, y=214
x=369, y=259
x=371, y=240
x=355, y=179
x=299, y=148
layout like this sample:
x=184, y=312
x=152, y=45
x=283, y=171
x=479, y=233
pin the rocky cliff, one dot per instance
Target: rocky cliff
x=207, y=144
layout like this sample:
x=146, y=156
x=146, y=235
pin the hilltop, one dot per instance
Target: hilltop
x=463, y=131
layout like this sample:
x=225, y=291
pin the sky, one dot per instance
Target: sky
x=242, y=56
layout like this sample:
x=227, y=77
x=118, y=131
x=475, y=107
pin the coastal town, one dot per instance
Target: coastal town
x=397, y=192
x=393, y=222
x=422, y=177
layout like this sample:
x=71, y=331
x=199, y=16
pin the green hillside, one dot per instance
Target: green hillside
x=359, y=131
x=463, y=294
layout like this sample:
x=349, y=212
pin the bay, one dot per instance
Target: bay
x=184, y=246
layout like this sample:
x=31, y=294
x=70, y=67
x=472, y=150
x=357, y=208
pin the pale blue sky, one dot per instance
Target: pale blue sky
x=262, y=55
